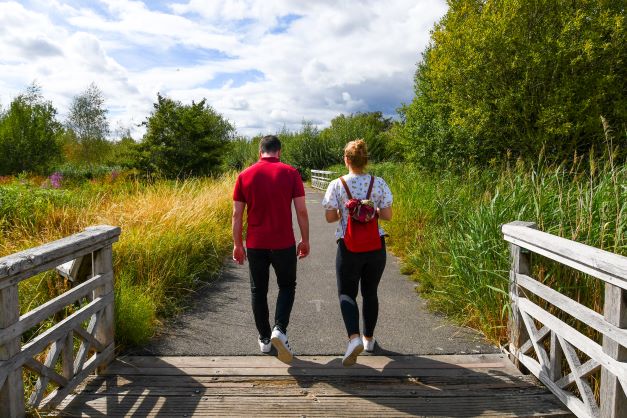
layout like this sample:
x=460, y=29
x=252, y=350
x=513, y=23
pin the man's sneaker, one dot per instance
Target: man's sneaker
x=355, y=347
x=368, y=344
x=279, y=341
x=264, y=345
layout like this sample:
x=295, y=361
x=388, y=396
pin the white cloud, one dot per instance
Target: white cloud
x=318, y=59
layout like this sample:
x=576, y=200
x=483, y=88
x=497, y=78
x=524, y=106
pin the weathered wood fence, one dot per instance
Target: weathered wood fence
x=62, y=365
x=320, y=179
x=541, y=342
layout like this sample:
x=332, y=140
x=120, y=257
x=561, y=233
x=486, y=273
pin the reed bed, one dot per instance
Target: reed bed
x=174, y=237
x=446, y=228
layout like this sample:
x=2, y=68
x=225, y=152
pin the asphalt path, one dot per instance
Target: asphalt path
x=220, y=321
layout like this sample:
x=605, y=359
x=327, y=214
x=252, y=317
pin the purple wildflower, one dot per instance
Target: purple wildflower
x=55, y=179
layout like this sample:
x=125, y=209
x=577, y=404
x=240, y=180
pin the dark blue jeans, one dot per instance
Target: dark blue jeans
x=284, y=264
x=353, y=269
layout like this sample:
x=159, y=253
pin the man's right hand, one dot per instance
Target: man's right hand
x=239, y=254
x=302, y=250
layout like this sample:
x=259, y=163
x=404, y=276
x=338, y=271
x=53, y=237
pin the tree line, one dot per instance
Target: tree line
x=500, y=79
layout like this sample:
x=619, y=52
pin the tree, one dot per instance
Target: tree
x=29, y=134
x=304, y=149
x=183, y=140
x=518, y=76
x=369, y=126
x=87, y=120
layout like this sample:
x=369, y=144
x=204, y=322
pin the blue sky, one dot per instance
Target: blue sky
x=262, y=64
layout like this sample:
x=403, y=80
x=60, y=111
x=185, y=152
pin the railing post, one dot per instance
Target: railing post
x=103, y=263
x=613, y=401
x=12, y=390
x=520, y=264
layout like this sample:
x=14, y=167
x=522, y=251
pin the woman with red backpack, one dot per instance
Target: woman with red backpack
x=358, y=200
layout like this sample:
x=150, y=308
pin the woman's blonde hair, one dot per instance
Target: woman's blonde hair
x=357, y=153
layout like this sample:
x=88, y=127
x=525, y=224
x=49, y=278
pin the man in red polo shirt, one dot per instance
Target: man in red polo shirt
x=267, y=189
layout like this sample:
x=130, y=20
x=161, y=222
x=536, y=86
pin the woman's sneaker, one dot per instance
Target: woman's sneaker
x=368, y=344
x=355, y=347
x=264, y=344
x=279, y=341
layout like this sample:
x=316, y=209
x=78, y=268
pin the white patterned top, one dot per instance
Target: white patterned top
x=336, y=197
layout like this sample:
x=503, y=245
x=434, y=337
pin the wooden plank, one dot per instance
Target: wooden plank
x=580, y=341
x=90, y=366
x=556, y=355
x=67, y=358
x=477, y=380
x=340, y=390
x=47, y=373
x=295, y=371
x=82, y=333
x=11, y=384
x=604, y=265
x=36, y=269
x=330, y=386
x=613, y=399
x=23, y=261
x=45, y=370
x=544, y=405
x=571, y=401
x=53, y=334
x=324, y=362
x=104, y=332
x=520, y=263
x=585, y=391
x=585, y=369
x=576, y=310
x=85, y=346
x=51, y=307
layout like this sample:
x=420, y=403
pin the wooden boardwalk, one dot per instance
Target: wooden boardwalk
x=441, y=385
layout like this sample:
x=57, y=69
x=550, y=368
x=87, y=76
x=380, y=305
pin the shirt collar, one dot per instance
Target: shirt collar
x=269, y=159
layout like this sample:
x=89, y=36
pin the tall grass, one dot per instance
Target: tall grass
x=174, y=235
x=446, y=228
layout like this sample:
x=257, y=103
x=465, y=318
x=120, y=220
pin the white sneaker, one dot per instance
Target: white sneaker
x=279, y=341
x=368, y=344
x=355, y=347
x=264, y=345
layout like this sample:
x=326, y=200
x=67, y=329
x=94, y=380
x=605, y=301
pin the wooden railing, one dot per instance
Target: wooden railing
x=51, y=355
x=544, y=344
x=320, y=179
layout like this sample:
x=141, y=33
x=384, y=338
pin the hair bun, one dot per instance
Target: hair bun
x=357, y=153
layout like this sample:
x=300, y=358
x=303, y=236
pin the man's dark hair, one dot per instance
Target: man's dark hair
x=269, y=144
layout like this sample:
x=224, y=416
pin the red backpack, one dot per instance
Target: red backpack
x=362, y=231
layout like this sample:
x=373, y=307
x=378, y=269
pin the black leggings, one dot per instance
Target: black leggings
x=351, y=270
x=284, y=264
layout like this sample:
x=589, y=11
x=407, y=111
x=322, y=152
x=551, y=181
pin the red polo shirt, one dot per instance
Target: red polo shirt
x=268, y=187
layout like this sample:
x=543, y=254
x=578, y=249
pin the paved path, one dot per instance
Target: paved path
x=220, y=322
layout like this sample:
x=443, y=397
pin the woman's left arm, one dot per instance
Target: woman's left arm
x=385, y=213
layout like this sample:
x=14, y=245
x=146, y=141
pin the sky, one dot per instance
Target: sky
x=263, y=64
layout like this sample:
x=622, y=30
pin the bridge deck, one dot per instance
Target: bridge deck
x=440, y=385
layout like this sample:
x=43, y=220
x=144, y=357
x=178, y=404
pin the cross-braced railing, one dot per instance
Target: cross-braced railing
x=72, y=348
x=555, y=352
x=320, y=179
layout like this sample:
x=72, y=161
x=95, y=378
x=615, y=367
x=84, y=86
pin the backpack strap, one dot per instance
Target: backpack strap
x=348, y=192
x=370, y=187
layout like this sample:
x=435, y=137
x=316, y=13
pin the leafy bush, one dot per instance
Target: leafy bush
x=29, y=134
x=184, y=140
